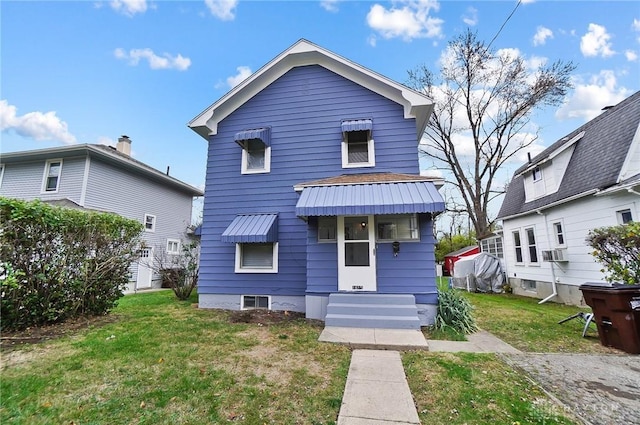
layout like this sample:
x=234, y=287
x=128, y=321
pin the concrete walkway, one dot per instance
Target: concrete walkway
x=377, y=391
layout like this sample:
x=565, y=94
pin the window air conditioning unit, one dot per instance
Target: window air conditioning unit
x=555, y=255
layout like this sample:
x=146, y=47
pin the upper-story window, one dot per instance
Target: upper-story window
x=624, y=216
x=537, y=174
x=256, y=150
x=357, y=144
x=52, y=171
x=149, y=223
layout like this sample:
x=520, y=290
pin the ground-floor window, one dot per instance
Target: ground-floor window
x=257, y=257
x=397, y=227
x=256, y=302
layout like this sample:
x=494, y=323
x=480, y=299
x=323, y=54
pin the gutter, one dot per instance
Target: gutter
x=551, y=205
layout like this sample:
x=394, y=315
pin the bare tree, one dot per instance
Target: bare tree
x=483, y=103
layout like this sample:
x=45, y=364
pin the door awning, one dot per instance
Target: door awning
x=378, y=198
x=252, y=228
x=263, y=134
x=356, y=125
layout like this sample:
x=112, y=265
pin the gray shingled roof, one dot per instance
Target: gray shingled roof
x=596, y=161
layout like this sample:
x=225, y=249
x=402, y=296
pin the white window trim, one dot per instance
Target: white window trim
x=267, y=162
x=516, y=246
x=177, y=251
x=243, y=307
x=345, y=155
x=2, y=166
x=555, y=233
x=239, y=269
x=411, y=217
x=144, y=223
x=623, y=210
x=47, y=167
x=528, y=245
x=533, y=174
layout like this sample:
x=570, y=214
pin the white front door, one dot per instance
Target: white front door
x=356, y=253
x=145, y=272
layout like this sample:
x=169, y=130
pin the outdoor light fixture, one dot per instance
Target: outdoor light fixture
x=396, y=248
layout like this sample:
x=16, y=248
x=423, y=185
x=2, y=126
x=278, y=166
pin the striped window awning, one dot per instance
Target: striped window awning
x=263, y=134
x=252, y=228
x=357, y=125
x=363, y=199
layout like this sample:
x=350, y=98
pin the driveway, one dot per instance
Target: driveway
x=598, y=389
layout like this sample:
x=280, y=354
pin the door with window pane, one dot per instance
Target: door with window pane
x=356, y=254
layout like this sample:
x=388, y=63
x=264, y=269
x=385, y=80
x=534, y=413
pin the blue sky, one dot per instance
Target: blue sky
x=89, y=71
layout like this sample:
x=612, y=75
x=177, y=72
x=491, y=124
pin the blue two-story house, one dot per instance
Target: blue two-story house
x=314, y=200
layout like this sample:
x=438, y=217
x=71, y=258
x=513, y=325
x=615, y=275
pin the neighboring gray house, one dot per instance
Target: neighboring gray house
x=103, y=178
x=588, y=179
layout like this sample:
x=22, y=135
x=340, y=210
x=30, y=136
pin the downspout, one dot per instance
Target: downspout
x=553, y=273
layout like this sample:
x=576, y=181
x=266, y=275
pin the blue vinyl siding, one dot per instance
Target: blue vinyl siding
x=411, y=272
x=304, y=109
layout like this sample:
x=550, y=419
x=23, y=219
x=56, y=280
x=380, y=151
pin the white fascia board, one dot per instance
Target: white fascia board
x=416, y=105
x=594, y=192
x=555, y=153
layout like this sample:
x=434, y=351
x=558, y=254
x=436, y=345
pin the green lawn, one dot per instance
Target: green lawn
x=165, y=362
x=533, y=327
x=162, y=361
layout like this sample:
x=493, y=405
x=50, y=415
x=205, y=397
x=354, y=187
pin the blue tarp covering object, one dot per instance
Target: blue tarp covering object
x=479, y=273
x=361, y=199
x=252, y=228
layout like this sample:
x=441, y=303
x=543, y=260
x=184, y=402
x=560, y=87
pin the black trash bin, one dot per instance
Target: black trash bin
x=616, y=311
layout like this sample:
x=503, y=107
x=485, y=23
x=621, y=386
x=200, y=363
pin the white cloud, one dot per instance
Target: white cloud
x=372, y=40
x=596, y=42
x=528, y=1
x=471, y=16
x=166, y=61
x=636, y=24
x=222, y=9
x=541, y=36
x=631, y=55
x=410, y=21
x=330, y=5
x=129, y=7
x=35, y=125
x=243, y=73
x=591, y=96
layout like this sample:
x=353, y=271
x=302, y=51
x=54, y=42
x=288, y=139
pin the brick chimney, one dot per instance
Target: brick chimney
x=124, y=145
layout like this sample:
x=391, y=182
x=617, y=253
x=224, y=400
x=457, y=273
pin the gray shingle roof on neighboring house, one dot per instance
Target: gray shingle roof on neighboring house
x=595, y=163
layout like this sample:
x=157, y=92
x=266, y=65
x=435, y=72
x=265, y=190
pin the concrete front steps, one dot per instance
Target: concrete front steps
x=383, y=311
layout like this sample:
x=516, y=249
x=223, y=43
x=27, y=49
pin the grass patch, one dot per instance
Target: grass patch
x=532, y=327
x=478, y=389
x=164, y=362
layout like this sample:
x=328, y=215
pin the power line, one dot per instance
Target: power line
x=503, y=24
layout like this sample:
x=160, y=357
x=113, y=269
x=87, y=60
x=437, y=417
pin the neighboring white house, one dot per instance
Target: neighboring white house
x=588, y=179
x=103, y=178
